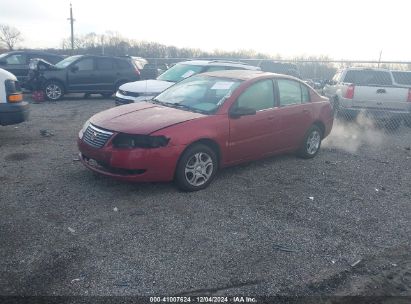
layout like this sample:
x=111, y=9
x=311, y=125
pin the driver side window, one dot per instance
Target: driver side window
x=258, y=96
x=85, y=64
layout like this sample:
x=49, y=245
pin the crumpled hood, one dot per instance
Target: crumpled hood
x=141, y=118
x=146, y=86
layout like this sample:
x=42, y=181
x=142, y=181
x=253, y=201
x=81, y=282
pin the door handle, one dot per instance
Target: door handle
x=306, y=111
x=381, y=91
x=271, y=117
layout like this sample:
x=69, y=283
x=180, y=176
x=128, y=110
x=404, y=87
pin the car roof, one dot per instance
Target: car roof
x=365, y=69
x=245, y=74
x=228, y=63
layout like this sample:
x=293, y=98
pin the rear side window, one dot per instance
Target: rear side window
x=368, y=77
x=104, y=64
x=122, y=64
x=305, y=93
x=16, y=59
x=290, y=92
x=258, y=96
x=402, y=77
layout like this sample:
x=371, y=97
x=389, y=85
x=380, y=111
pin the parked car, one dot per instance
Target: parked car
x=375, y=92
x=85, y=74
x=205, y=122
x=147, y=89
x=13, y=109
x=280, y=68
x=17, y=62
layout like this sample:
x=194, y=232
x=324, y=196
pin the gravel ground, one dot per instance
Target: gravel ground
x=338, y=224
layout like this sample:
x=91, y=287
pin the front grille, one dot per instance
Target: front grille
x=132, y=94
x=96, y=137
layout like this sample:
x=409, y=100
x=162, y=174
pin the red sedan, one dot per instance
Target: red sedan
x=203, y=123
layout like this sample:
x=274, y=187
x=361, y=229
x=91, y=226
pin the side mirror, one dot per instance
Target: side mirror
x=241, y=111
x=3, y=62
x=74, y=68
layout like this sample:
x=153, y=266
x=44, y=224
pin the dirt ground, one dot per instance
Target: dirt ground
x=336, y=225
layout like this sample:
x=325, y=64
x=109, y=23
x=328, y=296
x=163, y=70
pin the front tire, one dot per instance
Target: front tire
x=196, y=168
x=53, y=90
x=312, y=143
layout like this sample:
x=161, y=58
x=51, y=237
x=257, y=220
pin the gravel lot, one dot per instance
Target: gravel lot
x=335, y=225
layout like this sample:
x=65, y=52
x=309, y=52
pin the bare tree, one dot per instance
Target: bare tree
x=10, y=36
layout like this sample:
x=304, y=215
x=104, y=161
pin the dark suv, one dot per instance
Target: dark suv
x=84, y=74
x=17, y=62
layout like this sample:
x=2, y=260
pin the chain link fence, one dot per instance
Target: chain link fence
x=369, y=94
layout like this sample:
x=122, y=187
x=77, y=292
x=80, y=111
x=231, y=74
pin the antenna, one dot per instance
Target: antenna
x=72, y=28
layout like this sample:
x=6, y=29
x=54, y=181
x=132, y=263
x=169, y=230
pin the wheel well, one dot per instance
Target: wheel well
x=119, y=83
x=55, y=80
x=321, y=126
x=210, y=143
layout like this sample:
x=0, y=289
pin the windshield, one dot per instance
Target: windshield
x=3, y=55
x=180, y=72
x=66, y=62
x=199, y=93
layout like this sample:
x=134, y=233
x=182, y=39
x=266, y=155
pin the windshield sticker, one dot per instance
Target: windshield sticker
x=187, y=74
x=222, y=85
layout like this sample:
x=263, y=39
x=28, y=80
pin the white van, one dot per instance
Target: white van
x=13, y=109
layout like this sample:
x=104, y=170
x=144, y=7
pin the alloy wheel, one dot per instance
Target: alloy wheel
x=53, y=91
x=313, y=142
x=199, y=168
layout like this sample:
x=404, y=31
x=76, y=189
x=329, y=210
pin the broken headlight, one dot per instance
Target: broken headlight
x=124, y=141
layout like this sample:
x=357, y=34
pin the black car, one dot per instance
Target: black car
x=83, y=74
x=17, y=62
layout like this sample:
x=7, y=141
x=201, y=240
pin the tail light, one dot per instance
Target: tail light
x=137, y=71
x=409, y=95
x=13, y=91
x=349, y=94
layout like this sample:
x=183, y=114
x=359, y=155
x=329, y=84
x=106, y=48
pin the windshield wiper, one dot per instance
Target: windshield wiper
x=181, y=106
x=155, y=100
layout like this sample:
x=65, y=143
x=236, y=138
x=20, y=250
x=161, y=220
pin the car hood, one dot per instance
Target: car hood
x=146, y=86
x=141, y=118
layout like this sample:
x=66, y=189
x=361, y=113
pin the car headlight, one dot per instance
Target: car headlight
x=83, y=129
x=124, y=141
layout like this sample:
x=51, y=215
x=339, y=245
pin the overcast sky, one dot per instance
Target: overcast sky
x=343, y=29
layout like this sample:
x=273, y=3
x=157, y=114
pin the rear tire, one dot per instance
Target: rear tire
x=196, y=168
x=311, y=143
x=53, y=90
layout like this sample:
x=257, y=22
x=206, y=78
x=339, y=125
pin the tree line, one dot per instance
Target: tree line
x=114, y=44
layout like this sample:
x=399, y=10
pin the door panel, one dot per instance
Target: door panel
x=83, y=79
x=106, y=74
x=295, y=112
x=252, y=136
x=295, y=121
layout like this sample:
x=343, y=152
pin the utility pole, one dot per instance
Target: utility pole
x=379, y=59
x=72, y=28
x=102, y=44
